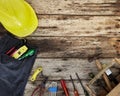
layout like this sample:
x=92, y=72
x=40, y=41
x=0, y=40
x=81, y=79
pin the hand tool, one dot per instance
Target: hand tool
x=85, y=91
x=53, y=88
x=105, y=77
x=11, y=51
x=75, y=90
x=35, y=74
x=29, y=53
x=20, y=52
x=110, y=76
x=99, y=82
x=16, y=47
x=40, y=89
x=63, y=84
x=90, y=90
x=114, y=61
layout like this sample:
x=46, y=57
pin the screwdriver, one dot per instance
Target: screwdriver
x=85, y=91
x=30, y=52
x=75, y=90
x=63, y=84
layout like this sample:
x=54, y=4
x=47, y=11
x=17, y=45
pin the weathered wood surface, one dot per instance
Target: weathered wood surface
x=71, y=33
x=30, y=87
x=75, y=47
x=62, y=25
x=76, y=7
x=57, y=69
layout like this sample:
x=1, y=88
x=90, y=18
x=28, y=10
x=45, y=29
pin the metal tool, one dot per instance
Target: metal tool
x=63, y=84
x=40, y=89
x=85, y=91
x=75, y=90
x=27, y=54
x=53, y=88
x=35, y=74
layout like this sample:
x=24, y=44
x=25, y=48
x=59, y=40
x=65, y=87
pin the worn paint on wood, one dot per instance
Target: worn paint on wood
x=75, y=47
x=62, y=25
x=71, y=33
x=57, y=69
x=76, y=7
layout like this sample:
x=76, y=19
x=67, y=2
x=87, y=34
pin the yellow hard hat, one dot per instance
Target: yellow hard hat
x=18, y=17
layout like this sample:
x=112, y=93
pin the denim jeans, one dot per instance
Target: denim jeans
x=13, y=73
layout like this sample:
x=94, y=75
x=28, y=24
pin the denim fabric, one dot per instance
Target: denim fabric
x=13, y=73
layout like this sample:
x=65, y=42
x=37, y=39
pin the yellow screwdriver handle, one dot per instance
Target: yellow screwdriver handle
x=35, y=74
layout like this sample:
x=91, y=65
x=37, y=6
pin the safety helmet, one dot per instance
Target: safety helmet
x=18, y=17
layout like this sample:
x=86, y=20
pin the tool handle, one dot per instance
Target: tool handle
x=90, y=90
x=76, y=93
x=64, y=87
x=35, y=74
x=107, y=81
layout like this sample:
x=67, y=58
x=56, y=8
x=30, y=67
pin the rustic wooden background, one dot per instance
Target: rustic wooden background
x=71, y=33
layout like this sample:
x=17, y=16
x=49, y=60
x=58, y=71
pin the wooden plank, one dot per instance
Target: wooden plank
x=73, y=47
x=77, y=7
x=57, y=69
x=115, y=91
x=30, y=87
x=62, y=25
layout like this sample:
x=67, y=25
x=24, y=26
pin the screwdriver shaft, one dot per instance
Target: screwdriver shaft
x=85, y=91
x=75, y=90
x=72, y=82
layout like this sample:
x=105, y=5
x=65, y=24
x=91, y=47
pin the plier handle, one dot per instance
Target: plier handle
x=40, y=89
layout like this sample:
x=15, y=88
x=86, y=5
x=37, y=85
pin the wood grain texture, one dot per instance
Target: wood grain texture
x=73, y=47
x=115, y=91
x=30, y=87
x=57, y=69
x=70, y=35
x=62, y=25
x=76, y=7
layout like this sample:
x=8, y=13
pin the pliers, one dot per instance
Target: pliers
x=40, y=89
